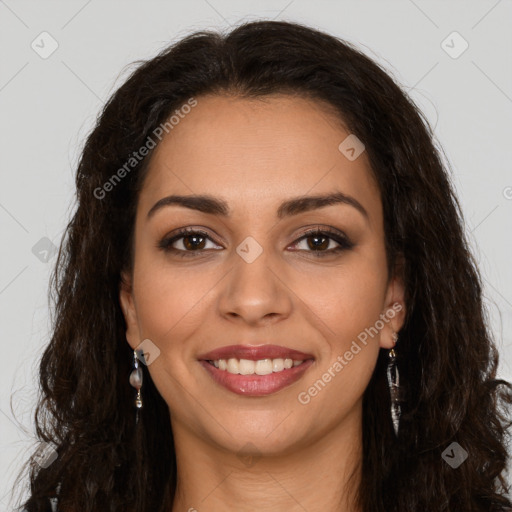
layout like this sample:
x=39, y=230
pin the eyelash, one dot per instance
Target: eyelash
x=344, y=243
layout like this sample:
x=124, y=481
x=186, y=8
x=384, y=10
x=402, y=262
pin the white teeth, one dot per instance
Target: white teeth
x=263, y=367
x=277, y=365
x=260, y=367
x=233, y=365
x=245, y=367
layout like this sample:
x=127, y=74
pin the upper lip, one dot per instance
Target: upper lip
x=254, y=353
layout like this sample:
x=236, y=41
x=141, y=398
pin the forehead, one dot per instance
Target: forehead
x=245, y=150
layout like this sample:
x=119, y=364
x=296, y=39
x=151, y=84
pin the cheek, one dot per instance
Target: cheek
x=171, y=310
x=348, y=308
x=346, y=299
x=171, y=302
x=347, y=302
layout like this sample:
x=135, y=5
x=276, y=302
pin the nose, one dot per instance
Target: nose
x=255, y=292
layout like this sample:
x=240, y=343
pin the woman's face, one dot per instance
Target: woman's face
x=253, y=279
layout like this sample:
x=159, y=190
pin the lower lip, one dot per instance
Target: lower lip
x=257, y=385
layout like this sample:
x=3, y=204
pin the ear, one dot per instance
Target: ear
x=129, y=310
x=394, y=308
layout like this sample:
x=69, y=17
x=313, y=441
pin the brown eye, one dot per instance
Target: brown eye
x=185, y=242
x=323, y=242
x=318, y=242
x=193, y=242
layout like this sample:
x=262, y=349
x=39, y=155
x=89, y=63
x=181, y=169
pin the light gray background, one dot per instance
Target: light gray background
x=49, y=105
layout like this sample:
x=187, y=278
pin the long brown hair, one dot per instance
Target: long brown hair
x=446, y=356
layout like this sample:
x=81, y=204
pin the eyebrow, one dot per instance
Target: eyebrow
x=294, y=206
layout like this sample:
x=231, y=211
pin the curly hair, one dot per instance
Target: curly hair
x=447, y=357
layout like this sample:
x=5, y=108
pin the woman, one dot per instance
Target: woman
x=268, y=249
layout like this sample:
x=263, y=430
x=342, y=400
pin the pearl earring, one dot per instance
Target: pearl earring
x=136, y=380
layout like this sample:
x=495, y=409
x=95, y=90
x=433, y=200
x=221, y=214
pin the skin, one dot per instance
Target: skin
x=254, y=154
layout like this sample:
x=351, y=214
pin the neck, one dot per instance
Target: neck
x=312, y=476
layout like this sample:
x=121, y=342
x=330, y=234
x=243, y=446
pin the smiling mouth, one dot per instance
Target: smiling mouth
x=252, y=378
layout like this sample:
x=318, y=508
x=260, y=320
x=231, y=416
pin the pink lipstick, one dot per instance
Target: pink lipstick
x=255, y=370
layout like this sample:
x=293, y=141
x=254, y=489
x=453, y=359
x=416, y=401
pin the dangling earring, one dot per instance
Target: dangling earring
x=394, y=386
x=136, y=381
